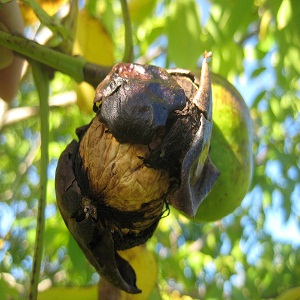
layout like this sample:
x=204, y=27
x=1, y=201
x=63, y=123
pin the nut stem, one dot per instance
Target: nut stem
x=203, y=97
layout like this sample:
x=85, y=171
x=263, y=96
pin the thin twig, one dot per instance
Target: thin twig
x=150, y=56
x=128, y=52
x=42, y=84
x=249, y=35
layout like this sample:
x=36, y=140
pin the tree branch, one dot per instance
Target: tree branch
x=248, y=36
x=76, y=67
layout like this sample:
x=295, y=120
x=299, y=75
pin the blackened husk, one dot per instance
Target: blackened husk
x=129, y=228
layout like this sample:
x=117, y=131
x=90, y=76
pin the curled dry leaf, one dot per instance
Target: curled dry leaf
x=147, y=147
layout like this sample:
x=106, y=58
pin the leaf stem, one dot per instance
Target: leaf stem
x=42, y=85
x=128, y=52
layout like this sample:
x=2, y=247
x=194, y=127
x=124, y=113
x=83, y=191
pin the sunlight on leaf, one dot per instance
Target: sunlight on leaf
x=291, y=294
x=264, y=24
x=139, y=10
x=284, y=14
x=183, y=30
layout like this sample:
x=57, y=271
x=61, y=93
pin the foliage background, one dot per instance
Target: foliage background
x=253, y=253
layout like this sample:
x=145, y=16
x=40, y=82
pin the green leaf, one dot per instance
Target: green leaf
x=2, y=289
x=56, y=234
x=139, y=10
x=276, y=108
x=257, y=72
x=259, y=97
x=80, y=265
x=8, y=288
x=183, y=31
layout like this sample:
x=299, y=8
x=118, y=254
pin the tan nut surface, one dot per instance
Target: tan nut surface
x=116, y=172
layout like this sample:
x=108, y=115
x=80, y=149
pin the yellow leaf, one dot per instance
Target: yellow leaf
x=264, y=24
x=145, y=265
x=50, y=6
x=85, y=96
x=94, y=43
x=69, y=293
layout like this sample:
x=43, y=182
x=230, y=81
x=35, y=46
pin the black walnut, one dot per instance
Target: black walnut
x=147, y=147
